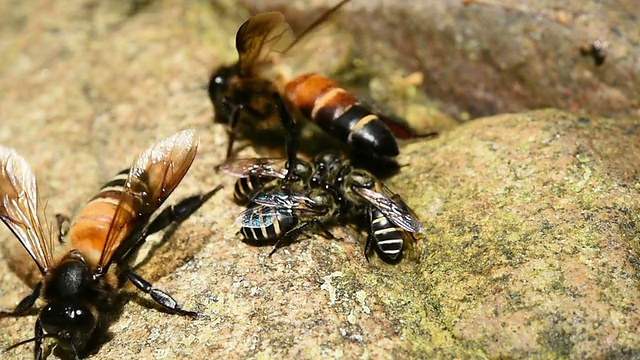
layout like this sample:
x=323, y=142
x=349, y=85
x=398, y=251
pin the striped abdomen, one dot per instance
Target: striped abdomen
x=88, y=233
x=387, y=237
x=337, y=112
x=267, y=223
x=245, y=188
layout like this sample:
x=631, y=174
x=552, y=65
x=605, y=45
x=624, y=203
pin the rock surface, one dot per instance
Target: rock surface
x=482, y=57
x=531, y=241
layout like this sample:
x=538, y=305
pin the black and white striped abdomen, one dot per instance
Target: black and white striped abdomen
x=387, y=236
x=245, y=188
x=263, y=223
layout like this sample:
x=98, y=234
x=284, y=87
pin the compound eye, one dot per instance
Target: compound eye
x=69, y=318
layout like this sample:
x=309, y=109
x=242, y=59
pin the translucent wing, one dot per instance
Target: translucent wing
x=283, y=199
x=393, y=207
x=19, y=207
x=259, y=37
x=152, y=178
x=263, y=167
x=258, y=216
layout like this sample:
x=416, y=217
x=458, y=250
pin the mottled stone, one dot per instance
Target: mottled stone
x=531, y=240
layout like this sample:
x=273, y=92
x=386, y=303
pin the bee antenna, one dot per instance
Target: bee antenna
x=44, y=336
x=30, y=340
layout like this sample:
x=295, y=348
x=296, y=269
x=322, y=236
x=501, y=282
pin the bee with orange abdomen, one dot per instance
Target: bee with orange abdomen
x=82, y=275
x=340, y=114
x=244, y=96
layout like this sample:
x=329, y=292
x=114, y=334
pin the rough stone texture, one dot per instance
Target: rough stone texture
x=532, y=220
x=482, y=57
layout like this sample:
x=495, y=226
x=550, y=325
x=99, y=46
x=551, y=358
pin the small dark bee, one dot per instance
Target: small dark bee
x=261, y=174
x=282, y=216
x=597, y=50
x=82, y=277
x=244, y=93
x=389, y=216
x=356, y=193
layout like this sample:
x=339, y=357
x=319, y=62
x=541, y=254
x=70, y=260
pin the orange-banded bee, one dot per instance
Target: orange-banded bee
x=282, y=216
x=389, y=216
x=244, y=92
x=81, y=277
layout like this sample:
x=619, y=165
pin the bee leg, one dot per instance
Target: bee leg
x=290, y=236
x=63, y=222
x=179, y=212
x=173, y=214
x=24, y=304
x=159, y=296
x=39, y=335
x=292, y=131
x=233, y=122
x=367, y=245
x=327, y=233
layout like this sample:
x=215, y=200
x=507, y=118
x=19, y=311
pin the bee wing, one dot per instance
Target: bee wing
x=19, y=207
x=259, y=37
x=263, y=167
x=283, y=199
x=258, y=216
x=393, y=207
x=152, y=178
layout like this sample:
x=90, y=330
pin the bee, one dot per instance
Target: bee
x=261, y=174
x=597, y=50
x=390, y=218
x=81, y=276
x=282, y=215
x=244, y=92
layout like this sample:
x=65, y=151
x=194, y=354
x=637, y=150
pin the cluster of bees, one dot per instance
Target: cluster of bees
x=89, y=262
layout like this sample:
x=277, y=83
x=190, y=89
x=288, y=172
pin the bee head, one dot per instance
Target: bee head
x=300, y=169
x=218, y=86
x=72, y=323
x=68, y=316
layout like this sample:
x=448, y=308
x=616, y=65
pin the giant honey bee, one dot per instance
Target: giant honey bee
x=243, y=94
x=81, y=276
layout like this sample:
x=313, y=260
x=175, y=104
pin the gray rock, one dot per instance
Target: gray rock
x=531, y=219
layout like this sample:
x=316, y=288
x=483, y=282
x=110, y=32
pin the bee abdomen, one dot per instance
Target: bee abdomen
x=91, y=226
x=267, y=224
x=336, y=111
x=387, y=237
x=245, y=188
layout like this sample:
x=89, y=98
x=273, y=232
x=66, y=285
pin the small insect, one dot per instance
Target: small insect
x=389, y=216
x=282, y=216
x=246, y=93
x=597, y=50
x=261, y=174
x=81, y=277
